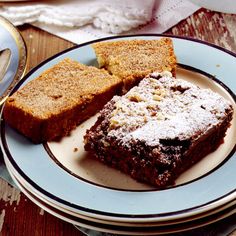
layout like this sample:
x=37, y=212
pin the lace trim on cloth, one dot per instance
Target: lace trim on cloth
x=166, y=13
x=120, y=16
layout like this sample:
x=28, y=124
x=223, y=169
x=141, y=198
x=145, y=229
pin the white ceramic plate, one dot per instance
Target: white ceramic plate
x=101, y=192
x=199, y=169
x=93, y=228
x=11, y=39
x=22, y=183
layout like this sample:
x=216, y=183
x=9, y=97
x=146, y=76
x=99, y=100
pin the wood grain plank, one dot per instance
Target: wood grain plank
x=20, y=216
x=41, y=45
x=212, y=27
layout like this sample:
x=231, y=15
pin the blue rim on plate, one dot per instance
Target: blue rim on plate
x=90, y=225
x=34, y=165
x=182, y=67
x=21, y=183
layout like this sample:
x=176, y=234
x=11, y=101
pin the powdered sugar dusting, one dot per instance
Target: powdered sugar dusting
x=162, y=107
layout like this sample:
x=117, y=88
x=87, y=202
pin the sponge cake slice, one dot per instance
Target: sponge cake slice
x=132, y=60
x=50, y=106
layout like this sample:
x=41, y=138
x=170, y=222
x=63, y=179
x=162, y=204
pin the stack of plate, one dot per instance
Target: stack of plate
x=64, y=180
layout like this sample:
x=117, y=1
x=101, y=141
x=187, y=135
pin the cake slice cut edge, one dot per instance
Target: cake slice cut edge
x=133, y=59
x=159, y=129
x=50, y=106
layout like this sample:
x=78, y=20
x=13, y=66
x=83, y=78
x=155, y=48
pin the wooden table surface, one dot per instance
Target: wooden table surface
x=18, y=215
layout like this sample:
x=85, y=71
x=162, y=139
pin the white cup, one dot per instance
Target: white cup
x=225, y=6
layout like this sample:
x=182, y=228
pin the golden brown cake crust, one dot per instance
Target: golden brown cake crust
x=131, y=60
x=53, y=104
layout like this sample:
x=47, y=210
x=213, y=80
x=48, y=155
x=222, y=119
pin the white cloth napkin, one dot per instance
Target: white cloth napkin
x=114, y=16
x=165, y=14
x=83, y=20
